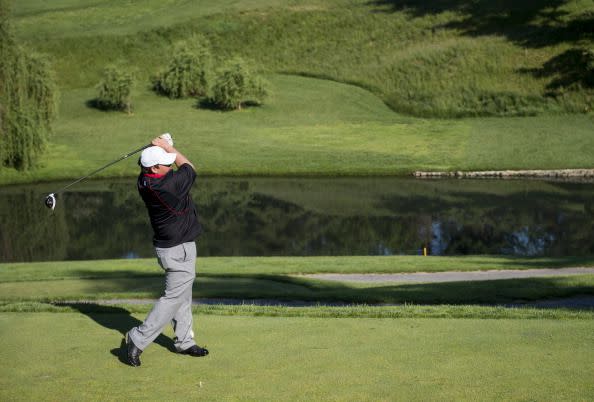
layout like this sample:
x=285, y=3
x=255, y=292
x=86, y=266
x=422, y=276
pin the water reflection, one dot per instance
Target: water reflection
x=322, y=216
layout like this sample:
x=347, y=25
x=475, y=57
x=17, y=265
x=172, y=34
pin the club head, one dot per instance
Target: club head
x=50, y=201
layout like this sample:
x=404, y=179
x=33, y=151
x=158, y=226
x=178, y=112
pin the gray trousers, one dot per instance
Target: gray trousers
x=175, y=306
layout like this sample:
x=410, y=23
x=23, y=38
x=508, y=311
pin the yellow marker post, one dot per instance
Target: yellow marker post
x=425, y=251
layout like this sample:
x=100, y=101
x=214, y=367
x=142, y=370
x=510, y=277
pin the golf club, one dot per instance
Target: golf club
x=50, y=200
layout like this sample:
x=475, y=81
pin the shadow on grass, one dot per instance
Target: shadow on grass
x=572, y=68
x=546, y=262
x=98, y=105
x=503, y=291
x=209, y=104
x=534, y=23
x=530, y=24
x=295, y=288
x=119, y=319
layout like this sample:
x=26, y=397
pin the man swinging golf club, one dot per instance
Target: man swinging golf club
x=166, y=194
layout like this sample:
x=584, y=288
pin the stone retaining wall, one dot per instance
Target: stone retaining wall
x=560, y=173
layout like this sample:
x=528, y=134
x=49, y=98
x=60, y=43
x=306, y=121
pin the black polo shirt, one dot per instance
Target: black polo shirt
x=171, y=210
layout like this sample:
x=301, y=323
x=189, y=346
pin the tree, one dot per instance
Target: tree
x=189, y=72
x=115, y=89
x=237, y=85
x=28, y=100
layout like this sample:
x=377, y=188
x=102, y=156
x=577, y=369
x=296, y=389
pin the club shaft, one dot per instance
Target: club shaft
x=104, y=167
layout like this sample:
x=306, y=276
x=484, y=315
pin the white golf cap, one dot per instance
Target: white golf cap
x=156, y=156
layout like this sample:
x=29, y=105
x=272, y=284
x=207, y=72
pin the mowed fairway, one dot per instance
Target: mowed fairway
x=309, y=127
x=68, y=356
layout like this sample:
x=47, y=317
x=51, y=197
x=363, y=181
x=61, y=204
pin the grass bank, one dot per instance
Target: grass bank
x=287, y=288
x=250, y=266
x=443, y=311
x=288, y=358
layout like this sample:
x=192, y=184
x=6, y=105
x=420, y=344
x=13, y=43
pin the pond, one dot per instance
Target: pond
x=308, y=217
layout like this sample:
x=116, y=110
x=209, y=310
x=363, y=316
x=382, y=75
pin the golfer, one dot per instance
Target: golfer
x=166, y=194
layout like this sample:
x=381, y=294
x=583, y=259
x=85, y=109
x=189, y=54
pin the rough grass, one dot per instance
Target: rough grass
x=443, y=311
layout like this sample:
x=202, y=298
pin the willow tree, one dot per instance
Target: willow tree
x=28, y=99
x=189, y=71
x=236, y=85
x=115, y=88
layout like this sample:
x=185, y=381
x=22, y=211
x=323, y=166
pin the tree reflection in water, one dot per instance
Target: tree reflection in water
x=316, y=216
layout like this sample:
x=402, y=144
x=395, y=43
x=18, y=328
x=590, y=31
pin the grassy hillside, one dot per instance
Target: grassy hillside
x=430, y=58
x=308, y=127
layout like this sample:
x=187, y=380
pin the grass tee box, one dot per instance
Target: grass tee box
x=290, y=358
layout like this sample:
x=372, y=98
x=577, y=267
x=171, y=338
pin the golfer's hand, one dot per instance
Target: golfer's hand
x=161, y=142
x=167, y=137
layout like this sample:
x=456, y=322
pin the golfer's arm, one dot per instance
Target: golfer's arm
x=180, y=158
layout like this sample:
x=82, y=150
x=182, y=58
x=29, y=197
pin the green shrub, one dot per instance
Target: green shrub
x=237, y=85
x=115, y=89
x=28, y=100
x=189, y=72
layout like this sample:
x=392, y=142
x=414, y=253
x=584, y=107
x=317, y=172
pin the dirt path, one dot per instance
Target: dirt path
x=434, y=277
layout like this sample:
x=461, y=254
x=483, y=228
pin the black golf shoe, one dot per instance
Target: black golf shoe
x=195, y=351
x=133, y=353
